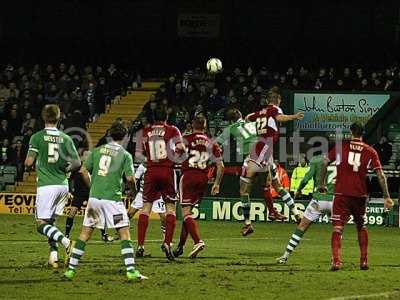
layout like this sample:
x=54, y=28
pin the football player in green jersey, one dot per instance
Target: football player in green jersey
x=245, y=135
x=107, y=164
x=55, y=155
x=320, y=204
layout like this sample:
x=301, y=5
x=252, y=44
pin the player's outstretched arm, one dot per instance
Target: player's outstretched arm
x=218, y=179
x=383, y=183
x=288, y=118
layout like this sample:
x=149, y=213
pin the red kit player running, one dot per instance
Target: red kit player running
x=194, y=179
x=260, y=158
x=353, y=159
x=163, y=147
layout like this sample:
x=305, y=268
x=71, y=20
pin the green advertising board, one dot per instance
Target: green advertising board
x=229, y=209
x=330, y=111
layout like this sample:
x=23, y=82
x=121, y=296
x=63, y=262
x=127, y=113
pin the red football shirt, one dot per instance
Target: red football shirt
x=266, y=123
x=353, y=160
x=159, y=143
x=201, y=151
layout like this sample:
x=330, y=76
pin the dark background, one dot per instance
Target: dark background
x=143, y=33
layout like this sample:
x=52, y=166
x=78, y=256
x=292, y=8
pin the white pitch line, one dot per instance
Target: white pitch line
x=355, y=297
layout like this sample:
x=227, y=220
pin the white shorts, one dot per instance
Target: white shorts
x=50, y=201
x=105, y=214
x=158, y=205
x=259, y=168
x=316, y=208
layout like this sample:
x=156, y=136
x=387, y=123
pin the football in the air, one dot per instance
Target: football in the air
x=214, y=65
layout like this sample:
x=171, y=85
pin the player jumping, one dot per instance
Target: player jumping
x=245, y=135
x=55, y=156
x=162, y=145
x=320, y=204
x=107, y=164
x=353, y=159
x=137, y=204
x=261, y=156
x=194, y=181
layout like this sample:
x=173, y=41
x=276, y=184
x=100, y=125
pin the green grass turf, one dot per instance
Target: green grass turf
x=231, y=267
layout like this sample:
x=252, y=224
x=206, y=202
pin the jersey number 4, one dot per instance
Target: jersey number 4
x=354, y=160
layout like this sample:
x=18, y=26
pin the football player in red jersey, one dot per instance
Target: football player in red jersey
x=163, y=147
x=261, y=156
x=353, y=159
x=194, y=181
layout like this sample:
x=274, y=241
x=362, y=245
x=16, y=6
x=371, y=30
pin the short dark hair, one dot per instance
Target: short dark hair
x=199, y=122
x=51, y=113
x=160, y=114
x=117, y=132
x=233, y=114
x=357, y=129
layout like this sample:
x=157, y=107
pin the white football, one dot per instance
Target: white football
x=214, y=65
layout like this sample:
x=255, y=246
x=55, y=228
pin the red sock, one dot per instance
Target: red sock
x=336, y=244
x=363, y=242
x=193, y=228
x=170, y=220
x=268, y=200
x=184, y=235
x=142, y=228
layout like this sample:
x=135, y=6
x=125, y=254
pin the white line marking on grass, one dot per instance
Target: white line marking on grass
x=354, y=297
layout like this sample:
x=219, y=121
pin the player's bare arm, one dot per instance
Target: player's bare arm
x=324, y=170
x=388, y=204
x=73, y=165
x=30, y=160
x=85, y=175
x=288, y=118
x=218, y=179
x=131, y=182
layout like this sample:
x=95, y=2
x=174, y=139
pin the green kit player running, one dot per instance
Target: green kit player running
x=107, y=164
x=319, y=205
x=55, y=156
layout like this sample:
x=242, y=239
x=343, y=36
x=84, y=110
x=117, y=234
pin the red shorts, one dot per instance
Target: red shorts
x=344, y=207
x=192, y=186
x=159, y=180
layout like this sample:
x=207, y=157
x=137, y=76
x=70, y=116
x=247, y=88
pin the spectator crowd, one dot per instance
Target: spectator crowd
x=81, y=93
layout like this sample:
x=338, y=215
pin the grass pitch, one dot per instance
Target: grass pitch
x=231, y=267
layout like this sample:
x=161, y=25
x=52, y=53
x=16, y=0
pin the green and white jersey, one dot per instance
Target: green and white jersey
x=314, y=173
x=53, y=150
x=108, y=164
x=244, y=133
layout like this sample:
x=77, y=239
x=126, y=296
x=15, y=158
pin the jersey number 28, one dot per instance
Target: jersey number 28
x=198, y=159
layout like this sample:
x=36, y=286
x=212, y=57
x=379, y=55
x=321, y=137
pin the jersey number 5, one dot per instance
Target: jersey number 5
x=354, y=160
x=52, y=154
